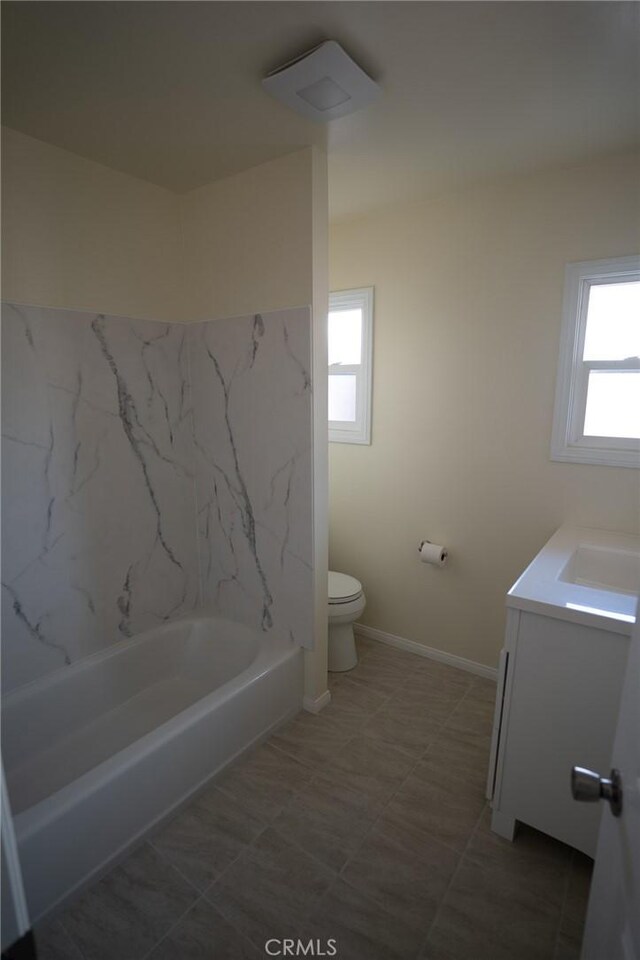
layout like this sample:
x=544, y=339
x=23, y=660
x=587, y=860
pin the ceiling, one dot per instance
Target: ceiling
x=170, y=91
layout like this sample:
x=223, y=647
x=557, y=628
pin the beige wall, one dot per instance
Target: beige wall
x=248, y=240
x=79, y=235
x=468, y=298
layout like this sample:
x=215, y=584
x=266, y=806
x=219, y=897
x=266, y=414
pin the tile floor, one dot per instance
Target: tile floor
x=366, y=824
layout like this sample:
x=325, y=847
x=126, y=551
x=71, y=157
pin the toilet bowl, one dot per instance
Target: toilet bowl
x=346, y=603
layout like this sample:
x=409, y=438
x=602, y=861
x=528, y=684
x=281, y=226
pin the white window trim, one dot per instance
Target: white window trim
x=341, y=431
x=568, y=442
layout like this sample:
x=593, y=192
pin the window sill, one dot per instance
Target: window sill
x=353, y=438
x=597, y=455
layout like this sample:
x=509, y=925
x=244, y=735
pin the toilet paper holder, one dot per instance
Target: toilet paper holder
x=433, y=553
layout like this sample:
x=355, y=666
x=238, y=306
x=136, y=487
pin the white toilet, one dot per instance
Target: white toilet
x=346, y=603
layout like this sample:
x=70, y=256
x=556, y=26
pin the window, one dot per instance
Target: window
x=350, y=350
x=597, y=410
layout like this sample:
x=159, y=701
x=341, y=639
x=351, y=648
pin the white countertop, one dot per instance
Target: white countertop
x=551, y=584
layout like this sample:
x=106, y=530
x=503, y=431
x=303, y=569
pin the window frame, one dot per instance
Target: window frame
x=568, y=441
x=359, y=431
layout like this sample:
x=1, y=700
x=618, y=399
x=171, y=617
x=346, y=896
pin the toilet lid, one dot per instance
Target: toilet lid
x=342, y=587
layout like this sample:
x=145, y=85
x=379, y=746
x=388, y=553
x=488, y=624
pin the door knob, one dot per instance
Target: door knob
x=589, y=786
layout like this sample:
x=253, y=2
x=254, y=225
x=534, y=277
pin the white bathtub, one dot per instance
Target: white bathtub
x=99, y=752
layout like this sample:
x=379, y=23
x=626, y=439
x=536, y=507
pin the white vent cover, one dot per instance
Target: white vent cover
x=322, y=84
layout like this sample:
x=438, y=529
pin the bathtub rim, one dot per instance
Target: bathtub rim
x=64, y=671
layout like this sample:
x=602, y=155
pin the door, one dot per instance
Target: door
x=612, y=929
x=15, y=919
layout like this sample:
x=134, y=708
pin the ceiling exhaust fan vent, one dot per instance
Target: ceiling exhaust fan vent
x=322, y=84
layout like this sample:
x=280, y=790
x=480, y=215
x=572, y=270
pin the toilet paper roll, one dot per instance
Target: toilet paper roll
x=433, y=553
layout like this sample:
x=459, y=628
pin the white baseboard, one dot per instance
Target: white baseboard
x=412, y=646
x=317, y=704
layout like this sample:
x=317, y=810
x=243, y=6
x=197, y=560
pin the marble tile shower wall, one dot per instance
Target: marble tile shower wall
x=98, y=531
x=252, y=428
x=102, y=452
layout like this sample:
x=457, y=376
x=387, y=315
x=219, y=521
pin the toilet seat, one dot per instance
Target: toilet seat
x=343, y=588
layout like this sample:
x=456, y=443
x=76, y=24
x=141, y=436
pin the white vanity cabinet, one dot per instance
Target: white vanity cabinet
x=561, y=674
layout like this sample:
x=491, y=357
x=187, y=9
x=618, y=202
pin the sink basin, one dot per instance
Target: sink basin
x=603, y=568
x=585, y=576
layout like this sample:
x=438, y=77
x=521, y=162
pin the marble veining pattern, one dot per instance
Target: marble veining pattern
x=98, y=531
x=251, y=390
x=148, y=467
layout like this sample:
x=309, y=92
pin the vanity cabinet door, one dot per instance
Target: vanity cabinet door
x=562, y=708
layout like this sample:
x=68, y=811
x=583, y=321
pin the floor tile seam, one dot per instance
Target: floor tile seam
x=239, y=855
x=225, y=916
x=436, y=788
x=322, y=770
x=564, y=902
x=285, y=809
x=172, y=927
x=375, y=822
x=165, y=859
x=377, y=710
x=298, y=919
x=378, y=903
x=412, y=761
x=71, y=937
x=220, y=873
x=432, y=742
x=357, y=734
x=364, y=838
x=396, y=657
x=368, y=717
x=465, y=857
x=460, y=702
x=373, y=689
x=215, y=906
x=315, y=773
x=443, y=729
x=319, y=770
x=315, y=911
x=295, y=790
x=307, y=853
x=455, y=703
x=229, y=795
x=281, y=833
x=433, y=835
x=363, y=661
x=425, y=663
x=443, y=718
x=542, y=903
x=312, y=764
x=455, y=873
x=533, y=859
x=465, y=729
x=406, y=753
x=373, y=657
